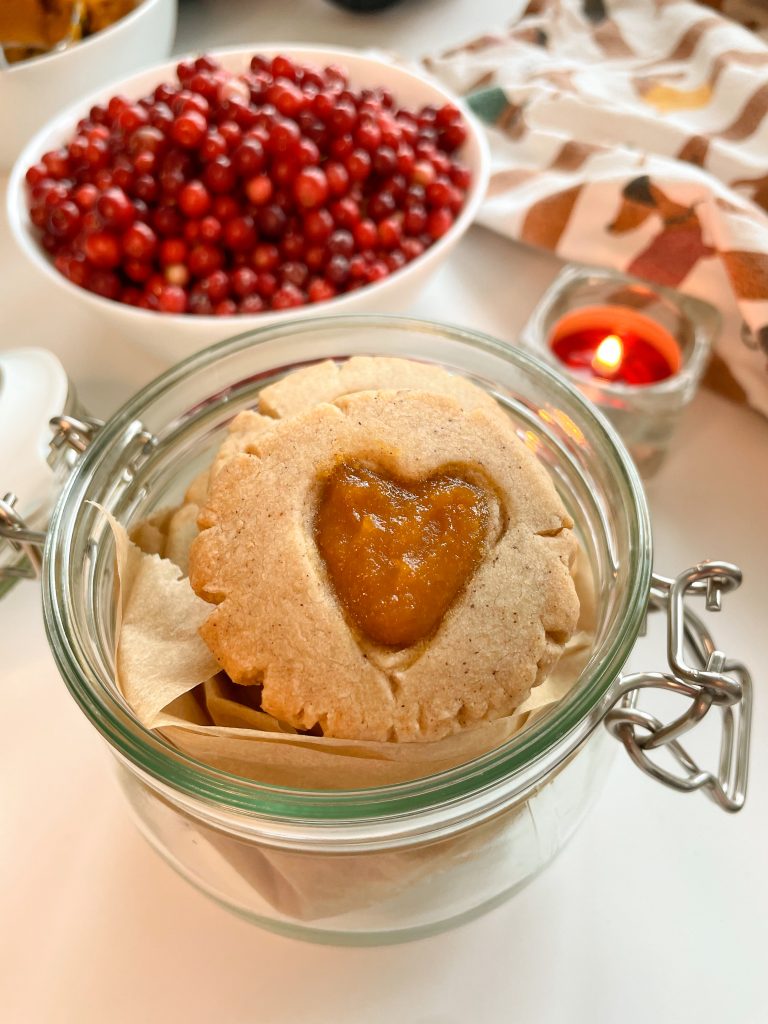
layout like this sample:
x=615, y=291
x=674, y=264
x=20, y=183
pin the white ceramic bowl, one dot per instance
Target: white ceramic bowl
x=32, y=91
x=171, y=336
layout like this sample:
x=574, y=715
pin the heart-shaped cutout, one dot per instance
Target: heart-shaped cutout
x=398, y=553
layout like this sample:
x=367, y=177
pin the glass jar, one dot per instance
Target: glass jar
x=390, y=863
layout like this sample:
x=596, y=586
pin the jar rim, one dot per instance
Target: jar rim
x=173, y=769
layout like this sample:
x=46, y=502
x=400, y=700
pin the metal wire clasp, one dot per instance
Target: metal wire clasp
x=71, y=437
x=713, y=680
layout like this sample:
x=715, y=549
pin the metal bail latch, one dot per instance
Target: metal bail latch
x=712, y=680
x=71, y=436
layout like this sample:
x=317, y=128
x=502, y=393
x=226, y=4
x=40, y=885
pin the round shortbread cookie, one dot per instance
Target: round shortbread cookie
x=327, y=381
x=280, y=624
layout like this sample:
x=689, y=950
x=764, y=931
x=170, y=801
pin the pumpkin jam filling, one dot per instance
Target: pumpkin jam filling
x=399, y=552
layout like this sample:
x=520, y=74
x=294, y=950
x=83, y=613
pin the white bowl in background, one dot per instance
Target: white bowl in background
x=33, y=90
x=174, y=336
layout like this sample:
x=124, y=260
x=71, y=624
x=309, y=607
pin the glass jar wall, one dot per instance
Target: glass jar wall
x=365, y=865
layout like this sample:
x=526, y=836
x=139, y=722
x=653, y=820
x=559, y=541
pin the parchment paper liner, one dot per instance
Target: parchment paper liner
x=160, y=658
x=172, y=683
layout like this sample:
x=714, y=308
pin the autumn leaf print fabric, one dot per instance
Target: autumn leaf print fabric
x=634, y=134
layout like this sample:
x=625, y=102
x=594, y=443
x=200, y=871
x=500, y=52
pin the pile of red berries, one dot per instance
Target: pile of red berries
x=226, y=193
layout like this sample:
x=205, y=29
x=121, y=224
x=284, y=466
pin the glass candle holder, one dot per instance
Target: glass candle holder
x=680, y=330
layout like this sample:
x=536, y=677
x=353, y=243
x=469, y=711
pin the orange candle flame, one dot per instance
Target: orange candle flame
x=608, y=354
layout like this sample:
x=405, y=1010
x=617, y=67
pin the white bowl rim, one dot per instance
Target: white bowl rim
x=90, y=41
x=30, y=154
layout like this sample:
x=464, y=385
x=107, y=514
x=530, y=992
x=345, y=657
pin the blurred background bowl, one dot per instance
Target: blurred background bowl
x=174, y=336
x=33, y=90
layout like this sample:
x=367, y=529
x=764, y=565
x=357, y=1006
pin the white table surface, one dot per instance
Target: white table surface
x=656, y=911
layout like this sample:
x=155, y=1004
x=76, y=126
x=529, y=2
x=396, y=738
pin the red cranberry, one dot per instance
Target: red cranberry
x=194, y=199
x=358, y=165
x=384, y=160
x=338, y=178
x=377, y=271
x=346, y=212
x=239, y=233
x=185, y=70
x=204, y=259
x=139, y=242
x=85, y=196
x=102, y=249
x=225, y=207
x=453, y=137
x=341, y=242
x=219, y=175
x=390, y=232
x=57, y=163
x=320, y=290
x=461, y=176
x=366, y=234
x=342, y=118
x=284, y=171
x=287, y=97
x=423, y=173
x=189, y=100
x=103, y=282
x=206, y=62
x=368, y=135
x=204, y=83
x=97, y=154
x=210, y=229
x=36, y=173
x=415, y=219
x=271, y=220
x=251, y=304
x=307, y=153
x=216, y=285
x=167, y=221
x=189, y=129
x=132, y=117
x=227, y=307
x=337, y=270
x=438, y=222
x=232, y=134
x=295, y=272
x=248, y=159
x=64, y=220
x=287, y=296
x=161, y=117
x=283, y=67
x=199, y=303
x=259, y=189
x=266, y=285
x=311, y=187
x=412, y=248
x=213, y=145
x=116, y=209
x=137, y=270
x=244, y=281
x=265, y=256
x=192, y=232
x=172, y=250
x=381, y=205
x=172, y=299
x=318, y=225
x=283, y=136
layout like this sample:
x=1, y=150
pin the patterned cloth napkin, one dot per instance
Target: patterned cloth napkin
x=633, y=134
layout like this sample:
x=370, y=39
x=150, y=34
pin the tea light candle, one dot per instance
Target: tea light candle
x=637, y=351
x=617, y=344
